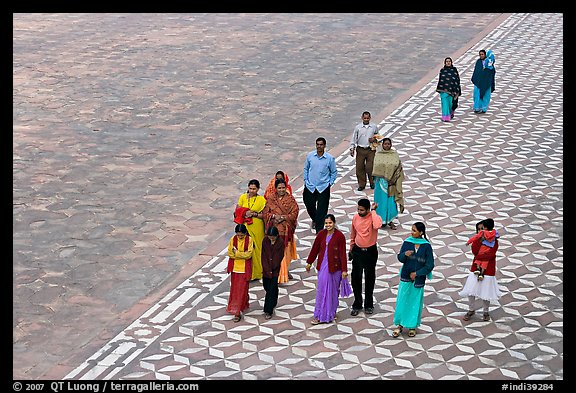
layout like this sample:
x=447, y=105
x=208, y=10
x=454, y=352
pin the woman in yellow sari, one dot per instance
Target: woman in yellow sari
x=282, y=211
x=255, y=204
x=388, y=177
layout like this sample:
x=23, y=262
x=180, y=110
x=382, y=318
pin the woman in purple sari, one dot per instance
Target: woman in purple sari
x=332, y=265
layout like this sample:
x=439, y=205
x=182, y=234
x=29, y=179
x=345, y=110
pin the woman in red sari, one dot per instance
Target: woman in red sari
x=271, y=189
x=240, y=249
x=281, y=211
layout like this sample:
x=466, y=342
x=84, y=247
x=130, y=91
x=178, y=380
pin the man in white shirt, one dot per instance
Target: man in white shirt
x=362, y=137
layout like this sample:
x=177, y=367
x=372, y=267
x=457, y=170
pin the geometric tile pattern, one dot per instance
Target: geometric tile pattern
x=506, y=164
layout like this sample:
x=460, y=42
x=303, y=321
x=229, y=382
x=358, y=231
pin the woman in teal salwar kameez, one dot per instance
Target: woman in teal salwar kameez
x=417, y=259
x=388, y=177
x=483, y=77
x=449, y=89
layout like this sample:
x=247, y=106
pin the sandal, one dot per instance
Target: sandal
x=468, y=315
x=396, y=332
x=411, y=332
x=392, y=225
x=237, y=318
x=315, y=321
x=486, y=317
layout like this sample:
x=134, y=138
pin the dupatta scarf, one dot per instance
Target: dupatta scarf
x=270, y=189
x=449, y=81
x=420, y=280
x=387, y=164
x=247, y=263
x=285, y=206
x=484, y=75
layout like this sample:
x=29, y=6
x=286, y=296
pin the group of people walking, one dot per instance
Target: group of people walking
x=264, y=245
x=265, y=228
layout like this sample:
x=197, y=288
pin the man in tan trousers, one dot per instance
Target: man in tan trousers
x=362, y=137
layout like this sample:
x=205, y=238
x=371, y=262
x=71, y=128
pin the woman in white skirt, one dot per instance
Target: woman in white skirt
x=486, y=289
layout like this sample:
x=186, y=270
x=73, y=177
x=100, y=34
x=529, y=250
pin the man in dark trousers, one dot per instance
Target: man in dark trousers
x=364, y=254
x=319, y=175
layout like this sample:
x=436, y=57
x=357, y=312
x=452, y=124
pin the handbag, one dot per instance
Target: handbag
x=345, y=288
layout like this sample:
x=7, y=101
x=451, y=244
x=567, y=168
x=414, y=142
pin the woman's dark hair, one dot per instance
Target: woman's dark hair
x=281, y=173
x=255, y=182
x=241, y=228
x=279, y=181
x=421, y=227
x=272, y=231
x=331, y=217
x=387, y=139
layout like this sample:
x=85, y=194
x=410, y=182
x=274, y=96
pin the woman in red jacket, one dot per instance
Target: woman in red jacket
x=332, y=265
x=486, y=289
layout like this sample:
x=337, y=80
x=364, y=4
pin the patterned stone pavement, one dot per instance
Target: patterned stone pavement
x=130, y=147
x=506, y=164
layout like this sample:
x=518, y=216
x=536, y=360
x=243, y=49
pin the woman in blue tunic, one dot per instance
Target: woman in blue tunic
x=483, y=77
x=417, y=259
x=449, y=89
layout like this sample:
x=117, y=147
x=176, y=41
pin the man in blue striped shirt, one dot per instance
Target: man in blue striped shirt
x=319, y=175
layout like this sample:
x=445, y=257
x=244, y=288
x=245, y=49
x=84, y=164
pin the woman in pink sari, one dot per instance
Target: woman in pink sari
x=281, y=211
